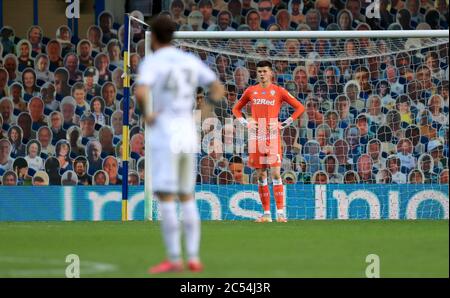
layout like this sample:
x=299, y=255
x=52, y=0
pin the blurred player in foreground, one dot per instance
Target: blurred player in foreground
x=264, y=138
x=171, y=77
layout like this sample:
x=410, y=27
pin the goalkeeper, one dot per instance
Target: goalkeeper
x=264, y=138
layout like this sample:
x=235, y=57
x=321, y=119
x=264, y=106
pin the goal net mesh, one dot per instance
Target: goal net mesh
x=376, y=112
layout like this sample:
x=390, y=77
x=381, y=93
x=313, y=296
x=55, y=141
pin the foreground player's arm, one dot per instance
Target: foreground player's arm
x=207, y=78
x=297, y=105
x=142, y=93
x=237, y=109
x=146, y=80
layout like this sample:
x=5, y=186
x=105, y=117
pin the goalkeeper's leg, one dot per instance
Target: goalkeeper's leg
x=278, y=191
x=264, y=195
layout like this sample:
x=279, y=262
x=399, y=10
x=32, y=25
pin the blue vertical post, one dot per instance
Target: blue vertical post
x=35, y=12
x=69, y=24
x=125, y=130
x=75, y=28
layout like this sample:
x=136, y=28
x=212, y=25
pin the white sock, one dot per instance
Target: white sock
x=191, y=222
x=277, y=181
x=170, y=230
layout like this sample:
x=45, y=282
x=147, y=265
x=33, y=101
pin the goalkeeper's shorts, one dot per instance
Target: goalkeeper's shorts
x=267, y=157
x=263, y=161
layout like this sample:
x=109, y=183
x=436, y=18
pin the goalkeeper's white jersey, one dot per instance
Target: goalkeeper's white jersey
x=173, y=77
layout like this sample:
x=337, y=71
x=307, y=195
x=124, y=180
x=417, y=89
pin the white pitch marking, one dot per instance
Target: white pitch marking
x=87, y=267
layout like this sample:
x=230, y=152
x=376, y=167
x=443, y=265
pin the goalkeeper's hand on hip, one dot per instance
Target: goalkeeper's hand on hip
x=286, y=123
x=252, y=124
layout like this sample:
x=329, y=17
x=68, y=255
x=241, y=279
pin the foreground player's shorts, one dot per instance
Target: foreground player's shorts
x=173, y=172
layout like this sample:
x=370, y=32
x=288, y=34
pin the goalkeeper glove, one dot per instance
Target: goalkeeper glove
x=286, y=123
x=243, y=121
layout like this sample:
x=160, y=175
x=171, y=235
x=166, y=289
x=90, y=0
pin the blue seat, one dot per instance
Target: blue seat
x=59, y=97
x=115, y=141
x=322, y=155
x=35, y=126
x=27, y=97
x=40, y=83
x=108, y=111
x=47, y=111
x=343, y=124
x=247, y=170
x=79, y=110
x=436, y=125
x=404, y=124
x=84, y=141
x=16, y=112
x=103, y=155
x=97, y=126
x=31, y=172
x=404, y=170
x=5, y=126
x=311, y=125
x=112, y=67
x=423, y=140
x=66, y=126
x=303, y=141
x=135, y=156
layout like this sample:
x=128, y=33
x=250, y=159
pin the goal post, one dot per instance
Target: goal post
x=148, y=190
x=128, y=19
x=383, y=46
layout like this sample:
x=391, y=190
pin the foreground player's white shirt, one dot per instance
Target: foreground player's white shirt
x=173, y=77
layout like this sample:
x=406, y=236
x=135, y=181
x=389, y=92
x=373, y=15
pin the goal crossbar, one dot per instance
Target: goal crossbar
x=311, y=34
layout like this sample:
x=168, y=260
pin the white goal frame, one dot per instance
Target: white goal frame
x=200, y=35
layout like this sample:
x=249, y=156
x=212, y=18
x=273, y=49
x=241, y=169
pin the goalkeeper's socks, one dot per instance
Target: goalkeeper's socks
x=278, y=192
x=171, y=230
x=264, y=195
x=191, y=222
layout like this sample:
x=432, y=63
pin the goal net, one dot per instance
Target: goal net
x=372, y=142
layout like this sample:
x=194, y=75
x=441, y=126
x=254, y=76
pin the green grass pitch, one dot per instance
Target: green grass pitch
x=230, y=248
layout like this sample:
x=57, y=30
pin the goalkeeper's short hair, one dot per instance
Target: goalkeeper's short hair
x=264, y=63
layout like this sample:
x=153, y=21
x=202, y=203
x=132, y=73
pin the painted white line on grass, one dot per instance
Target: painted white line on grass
x=87, y=267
